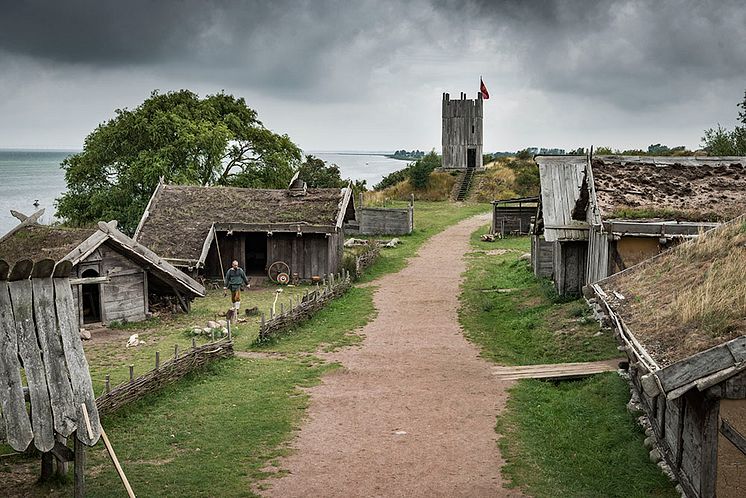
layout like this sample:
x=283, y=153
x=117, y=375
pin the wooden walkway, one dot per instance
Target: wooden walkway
x=557, y=371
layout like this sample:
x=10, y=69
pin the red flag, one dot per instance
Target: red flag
x=483, y=89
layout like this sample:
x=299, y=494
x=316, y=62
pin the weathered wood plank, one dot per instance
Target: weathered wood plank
x=58, y=382
x=80, y=377
x=28, y=349
x=12, y=404
x=732, y=435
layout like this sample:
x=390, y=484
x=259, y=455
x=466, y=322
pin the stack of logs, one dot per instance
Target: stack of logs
x=310, y=303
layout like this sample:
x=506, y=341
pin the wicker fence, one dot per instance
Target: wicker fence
x=366, y=259
x=309, y=304
x=170, y=371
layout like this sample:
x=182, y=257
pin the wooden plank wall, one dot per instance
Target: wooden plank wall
x=308, y=255
x=507, y=220
x=686, y=429
x=542, y=256
x=462, y=129
x=385, y=221
x=123, y=298
x=598, y=255
x=569, y=267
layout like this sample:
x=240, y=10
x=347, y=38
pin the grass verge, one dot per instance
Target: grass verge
x=571, y=438
x=575, y=438
x=516, y=319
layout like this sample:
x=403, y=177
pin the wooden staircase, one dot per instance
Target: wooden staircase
x=463, y=190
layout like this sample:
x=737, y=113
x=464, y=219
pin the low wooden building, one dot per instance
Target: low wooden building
x=203, y=229
x=381, y=220
x=606, y=213
x=681, y=319
x=114, y=278
x=513, y=216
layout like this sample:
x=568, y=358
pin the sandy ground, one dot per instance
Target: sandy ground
x=412, y=413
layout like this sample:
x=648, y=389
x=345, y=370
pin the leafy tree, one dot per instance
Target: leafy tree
x=603, y=151
x=722, y=142
x=523, y=154
x=318, y=174
x=393, y=178
x=420, y=170
x=217, y=140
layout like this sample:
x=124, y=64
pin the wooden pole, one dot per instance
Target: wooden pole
x=194, y=343
x=108, y=383
x=115, y=460
x=229, y=330
x=46, y=466
x=157, y=360
x=220, y=258
x=79, y=467
x=176, y=351
x=132, y=373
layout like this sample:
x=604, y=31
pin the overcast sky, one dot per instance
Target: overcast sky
x=368, y=75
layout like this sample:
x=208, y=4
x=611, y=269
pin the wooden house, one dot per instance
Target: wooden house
x=599, y=216
x=114, y=278
x=203, y=229
x=681, y=319
x=513, y=216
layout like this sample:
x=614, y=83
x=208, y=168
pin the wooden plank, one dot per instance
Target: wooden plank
x=556, y=371
x=709, y=461
x=699, y=365
x=58, y=382
x=732, y=435
x=12, y=404
x=28, y=349
x=80, y=377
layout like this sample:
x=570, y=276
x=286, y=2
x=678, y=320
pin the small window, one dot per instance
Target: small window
x=472, y=128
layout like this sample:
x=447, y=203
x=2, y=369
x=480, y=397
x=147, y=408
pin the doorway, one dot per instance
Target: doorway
x=256, y=253
x=471, y=158
x=91, y=296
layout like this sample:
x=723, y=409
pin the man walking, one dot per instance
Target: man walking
x=234, y=279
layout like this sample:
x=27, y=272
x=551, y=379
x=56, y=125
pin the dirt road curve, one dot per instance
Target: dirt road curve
x=412, y=413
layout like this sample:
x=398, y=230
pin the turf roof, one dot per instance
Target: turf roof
x=37, y=242
x=179, y=217
x=686, y=188
x=688, y=299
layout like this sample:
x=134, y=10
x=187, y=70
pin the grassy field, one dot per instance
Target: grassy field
x=572, y=438
x=216, y=432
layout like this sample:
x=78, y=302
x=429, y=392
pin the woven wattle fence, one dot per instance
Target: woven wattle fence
x=309, y=305
x=170, y=371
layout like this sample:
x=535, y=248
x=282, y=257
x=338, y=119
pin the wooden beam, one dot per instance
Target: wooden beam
x=732, y=435
x=146, y=213
x=89, y=280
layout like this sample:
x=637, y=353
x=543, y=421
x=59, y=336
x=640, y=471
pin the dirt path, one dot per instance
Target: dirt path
x=412, y=413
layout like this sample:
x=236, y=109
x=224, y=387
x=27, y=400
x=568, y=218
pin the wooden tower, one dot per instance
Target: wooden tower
x=462, y=132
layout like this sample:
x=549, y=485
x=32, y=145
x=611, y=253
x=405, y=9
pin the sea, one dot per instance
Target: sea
x=32, y=179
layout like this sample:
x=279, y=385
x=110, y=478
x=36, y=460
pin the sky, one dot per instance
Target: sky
x=369, y=75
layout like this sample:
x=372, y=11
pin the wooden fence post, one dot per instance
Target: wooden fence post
x=230, y=336
x=79, y=467
x=194, y=343
x=108, y=383
x=176, y=351
x=157, y=360
x=132, y=373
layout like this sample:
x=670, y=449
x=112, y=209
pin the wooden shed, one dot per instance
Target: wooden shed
x=607, y=213
x=681, y=319
x=203, y=229
x=114, y=278
x=513, y=216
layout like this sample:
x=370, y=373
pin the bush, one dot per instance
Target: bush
x=420, y=170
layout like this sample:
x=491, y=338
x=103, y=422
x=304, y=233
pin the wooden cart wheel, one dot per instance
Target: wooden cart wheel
x=276, y=268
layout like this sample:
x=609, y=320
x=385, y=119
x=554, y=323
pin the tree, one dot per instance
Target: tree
x=722, y=142
x=420, y=170
x=217, y=140
x=318, y=174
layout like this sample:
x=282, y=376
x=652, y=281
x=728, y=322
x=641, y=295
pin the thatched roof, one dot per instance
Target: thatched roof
x=37, y=242
x=682, y=188
x=688, y=299
x=179, y=219
x=31, y=241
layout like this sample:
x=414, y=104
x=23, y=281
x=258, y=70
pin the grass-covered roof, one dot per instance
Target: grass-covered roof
x=685, y=188
x=688, y=299
x=179, y=217
x=37, y=242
